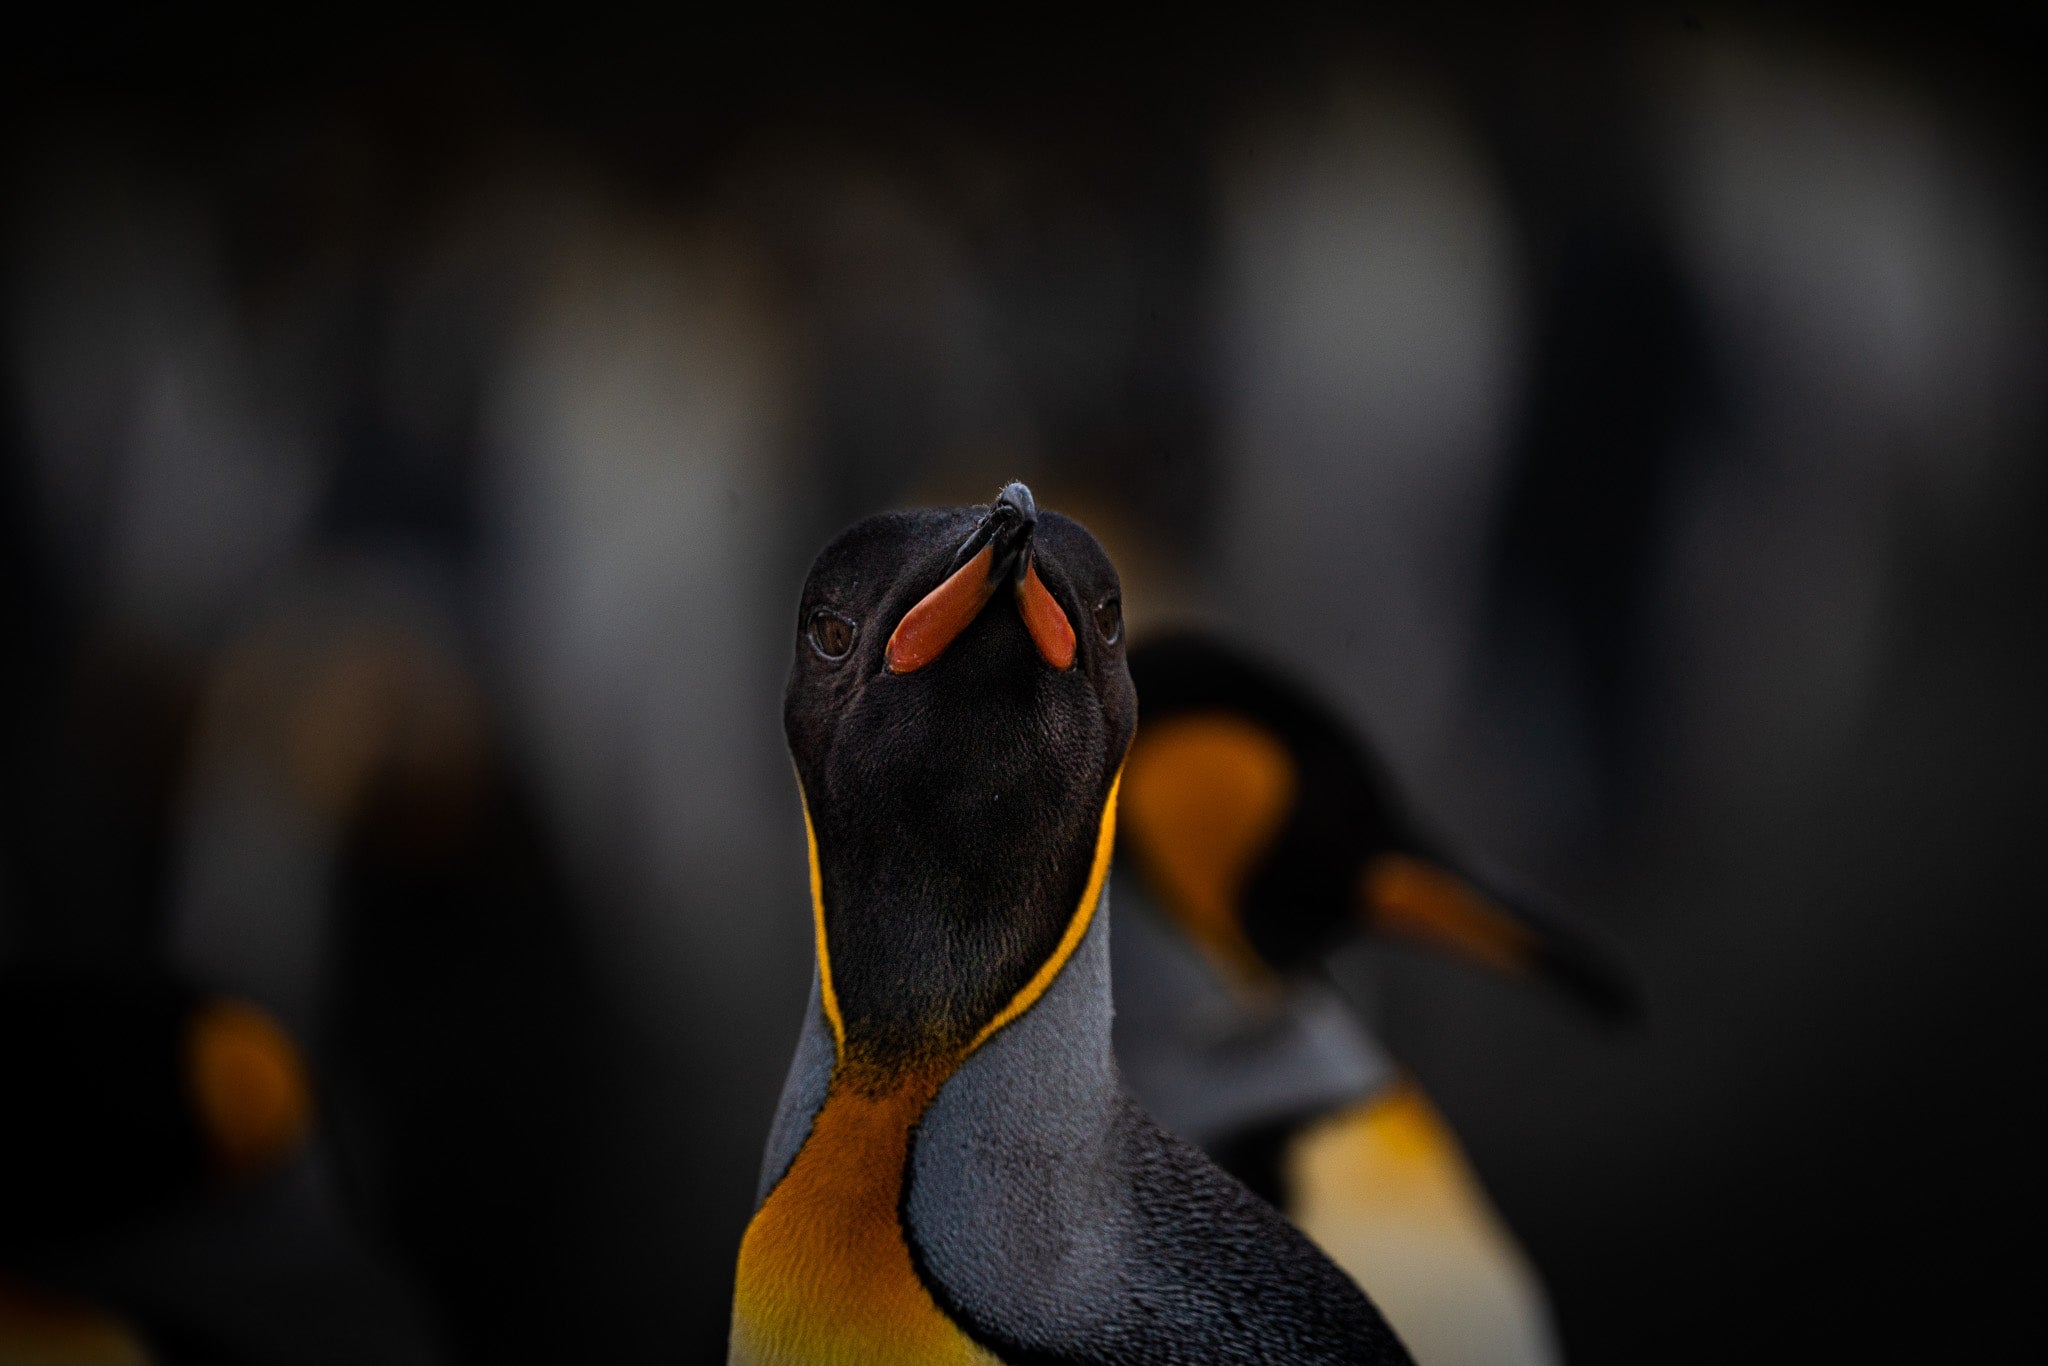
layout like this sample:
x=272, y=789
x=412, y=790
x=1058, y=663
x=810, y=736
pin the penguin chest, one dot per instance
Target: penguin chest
x=825, y=1275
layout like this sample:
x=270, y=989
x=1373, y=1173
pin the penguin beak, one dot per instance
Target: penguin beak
x=998, y=552
x=1415, y=899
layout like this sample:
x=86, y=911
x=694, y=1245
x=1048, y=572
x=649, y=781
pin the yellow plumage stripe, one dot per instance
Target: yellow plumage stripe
x=1077, y=927
x=830, y=997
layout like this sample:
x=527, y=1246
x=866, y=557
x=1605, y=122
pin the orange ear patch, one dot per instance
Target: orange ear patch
x=1204, y=797
x=1409, y=898
x=248, y=1086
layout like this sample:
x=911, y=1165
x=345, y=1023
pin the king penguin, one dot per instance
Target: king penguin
x=131, y=1096
x=955, y=1172
x=1264, y=831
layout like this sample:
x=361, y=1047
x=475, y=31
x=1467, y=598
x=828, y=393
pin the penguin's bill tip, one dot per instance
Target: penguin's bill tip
x=248, y=1086
x=998, y=554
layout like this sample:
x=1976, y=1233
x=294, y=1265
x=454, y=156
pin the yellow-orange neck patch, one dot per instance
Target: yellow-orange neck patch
x=825, y=1277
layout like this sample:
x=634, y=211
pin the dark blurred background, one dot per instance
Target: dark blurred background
x=413, y=436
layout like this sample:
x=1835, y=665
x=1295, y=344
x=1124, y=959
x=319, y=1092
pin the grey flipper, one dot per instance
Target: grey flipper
x=1210, y=1063
x=1055, y=1222
x=803, y=1093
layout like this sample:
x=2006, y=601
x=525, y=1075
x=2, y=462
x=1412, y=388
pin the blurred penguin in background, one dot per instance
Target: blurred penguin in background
x=165, y=1194
x=1261, y=834
x=135, y=1099
x=367, y=849
x=163, y=1197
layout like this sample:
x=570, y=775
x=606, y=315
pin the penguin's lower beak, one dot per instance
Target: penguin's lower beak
x=1407, y=897
x=999, y=551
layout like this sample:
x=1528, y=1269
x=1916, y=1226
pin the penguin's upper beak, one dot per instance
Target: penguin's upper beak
x=999, y=551
x=1417, y=899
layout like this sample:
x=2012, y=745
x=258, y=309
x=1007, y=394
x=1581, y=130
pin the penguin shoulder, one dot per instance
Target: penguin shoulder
x=1053, y=1220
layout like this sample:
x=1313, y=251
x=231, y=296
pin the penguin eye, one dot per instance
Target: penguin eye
x=832, y=635
x=1109, y=619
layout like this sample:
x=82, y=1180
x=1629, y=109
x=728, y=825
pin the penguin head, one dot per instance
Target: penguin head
x=958, y=710
x=1270, y=833
x=129, y=1092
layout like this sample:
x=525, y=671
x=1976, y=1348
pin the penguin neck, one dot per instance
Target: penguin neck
x=826, y=1270
x=908, y=1005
